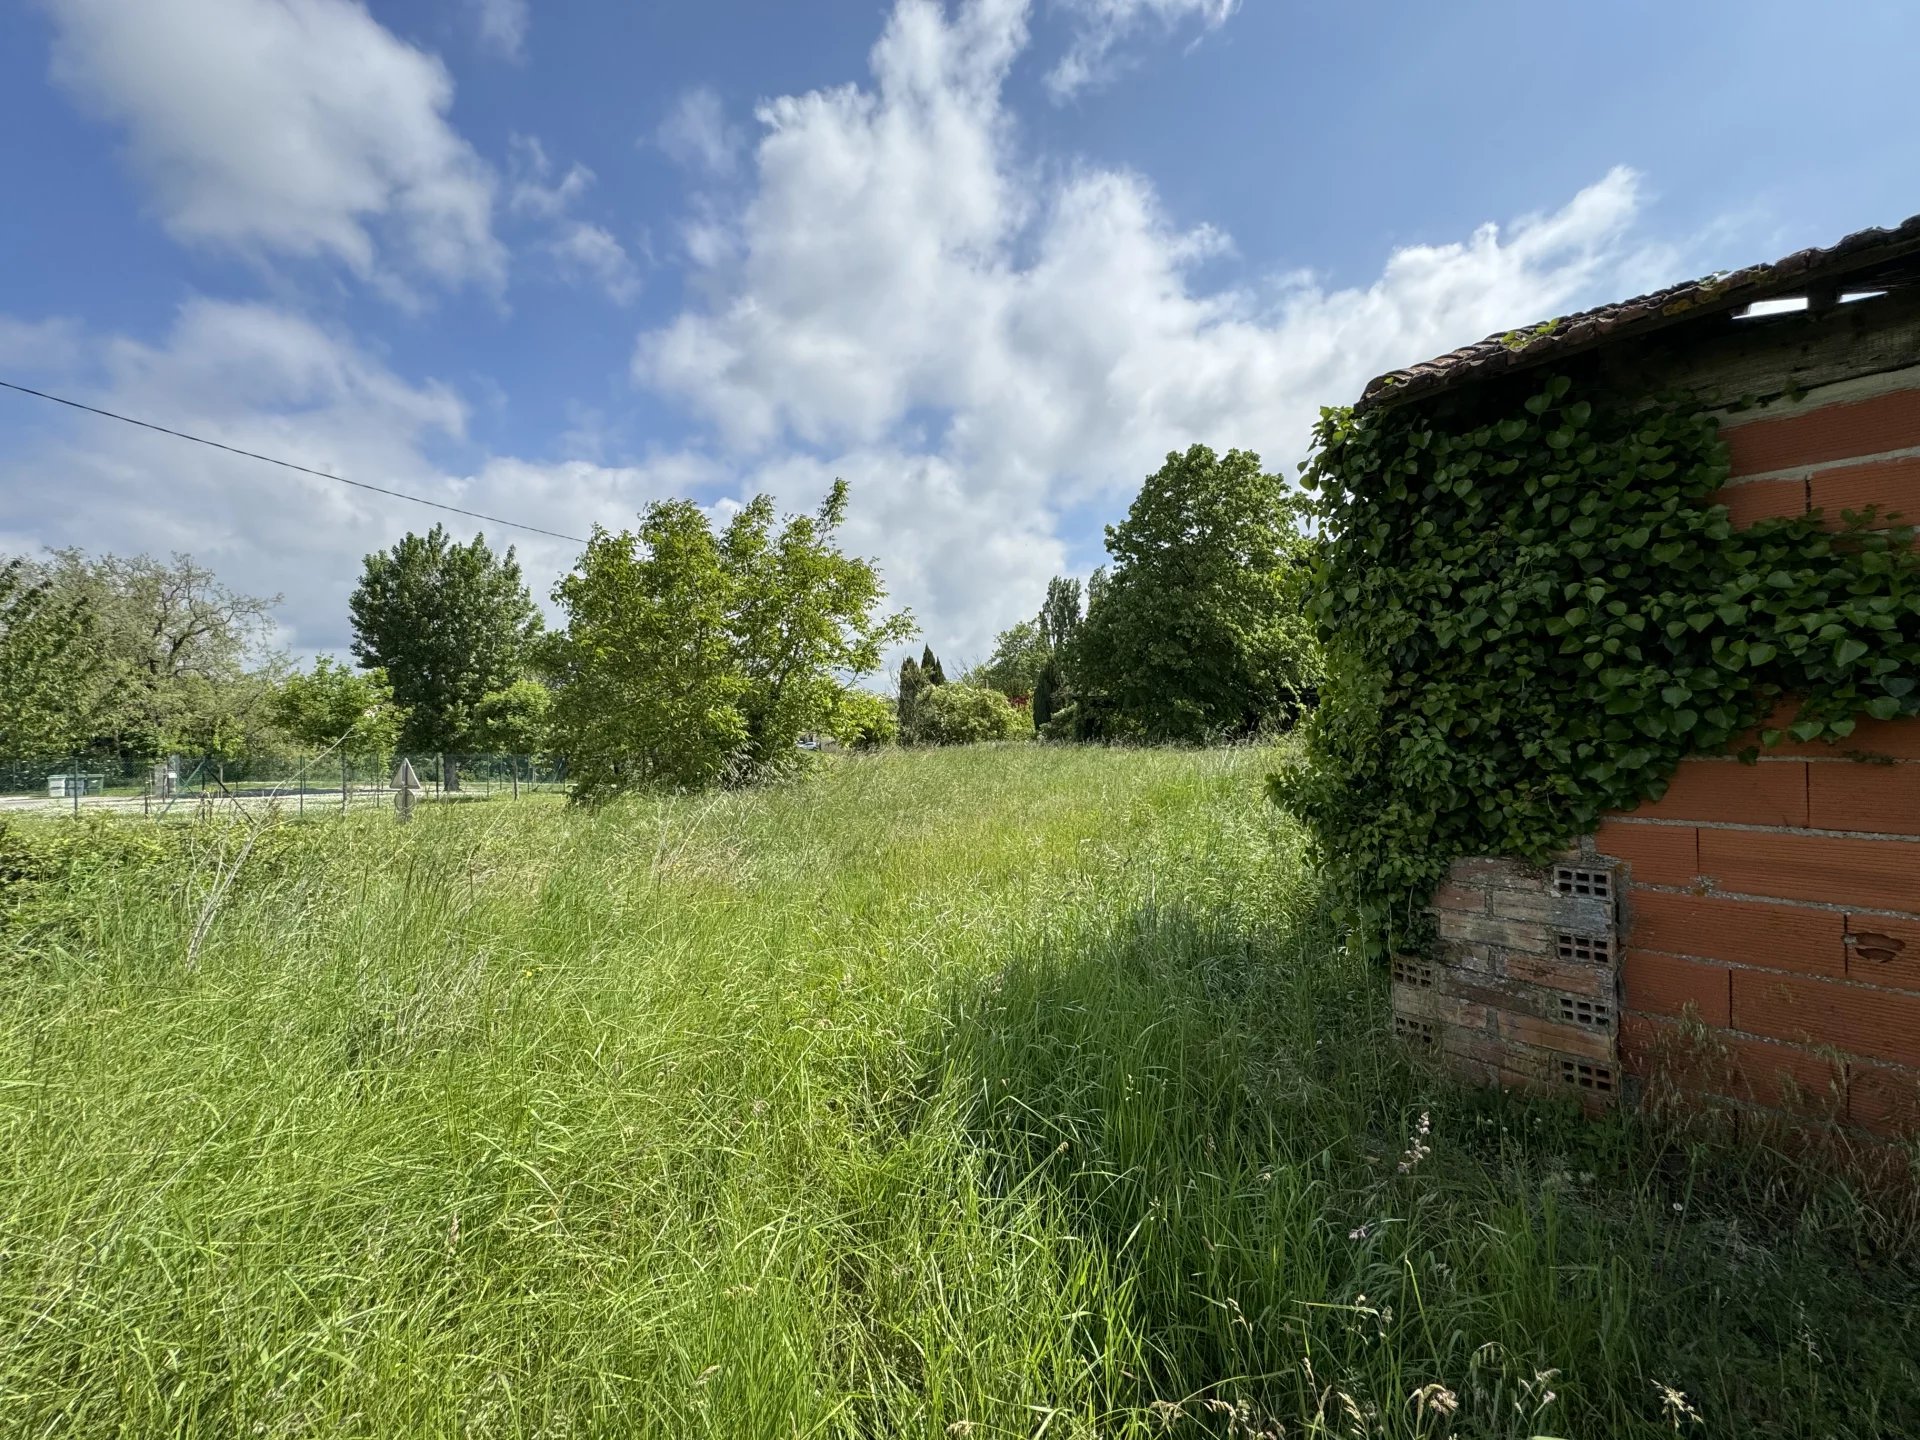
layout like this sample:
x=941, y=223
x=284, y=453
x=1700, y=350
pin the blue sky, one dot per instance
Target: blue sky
x=989, y=260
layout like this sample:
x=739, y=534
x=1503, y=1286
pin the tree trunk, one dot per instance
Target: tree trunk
x=449, y=775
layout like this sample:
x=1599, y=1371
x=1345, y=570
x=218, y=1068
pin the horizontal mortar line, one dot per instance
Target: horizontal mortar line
x=1827, y=906
x=1835, y=392
x=1850, y=981
x=1800, y=830
x=1820, y=467
x=1797, y=1046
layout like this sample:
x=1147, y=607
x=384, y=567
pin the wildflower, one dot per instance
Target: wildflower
x=1675, y=1407
x=1417, y=1147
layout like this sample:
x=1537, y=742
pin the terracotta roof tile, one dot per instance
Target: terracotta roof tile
x=1535, y=344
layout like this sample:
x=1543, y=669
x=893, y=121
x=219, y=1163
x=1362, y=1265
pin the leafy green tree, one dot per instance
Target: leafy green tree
x=961, y=714
x=1096, y=587
x=1014, y=667
x=515, y=721
x=1201, y=631
x=802, y=616
x=47, y=652
x=1050, y=693
x=173, y=659
x=648, y=691
x=912, y=685
x=450, y=624
x=1059, y=619
x=335, y=705
x=691, y=658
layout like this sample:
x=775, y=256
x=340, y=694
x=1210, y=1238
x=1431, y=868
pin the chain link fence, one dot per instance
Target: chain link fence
x=294, y=782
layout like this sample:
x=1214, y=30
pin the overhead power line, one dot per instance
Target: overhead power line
x=289, y=465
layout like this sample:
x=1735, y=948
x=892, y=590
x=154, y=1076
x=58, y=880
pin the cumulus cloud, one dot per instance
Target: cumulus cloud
x=1103, y=26
x=697, y=135
x=992, y=342
x=582, y=251
x=991, y=345
x=502, y=25
x=264, y=379
x=287, y=127
x=588, y=254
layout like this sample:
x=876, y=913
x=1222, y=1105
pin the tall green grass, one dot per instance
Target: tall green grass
x=994, y=1092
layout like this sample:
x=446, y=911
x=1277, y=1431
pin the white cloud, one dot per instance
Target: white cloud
x=696, y=133
x=587, y=253
x=987, y=341
x=983, y=341
x=264, y=379
x=287, y=127
x=502, y=25
x=583, y=252
x=39, y=347
x=528, y=173
x=1104, y=25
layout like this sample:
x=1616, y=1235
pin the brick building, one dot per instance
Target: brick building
x=1753, y=937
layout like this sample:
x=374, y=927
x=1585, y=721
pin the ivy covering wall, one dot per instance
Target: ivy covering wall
x=1533, y=612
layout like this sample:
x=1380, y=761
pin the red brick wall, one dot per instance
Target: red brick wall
x=1772, y=911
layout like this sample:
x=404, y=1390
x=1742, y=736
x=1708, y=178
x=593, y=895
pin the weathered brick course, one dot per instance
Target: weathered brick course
x=1893, y=486
x=1507, y=1000
x=1763, y=500
x=1658, y=854
x=1826, y=433
x=1771, y=793
x=1876, y=1024
x=1882, y=799
x=1832, y=870
x=1749, y=932
x=1655, y=984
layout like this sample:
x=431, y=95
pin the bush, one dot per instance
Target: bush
x=967, y=715
x=863, y=720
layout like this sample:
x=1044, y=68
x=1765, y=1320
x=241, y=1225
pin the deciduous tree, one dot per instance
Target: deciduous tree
x=335, y=705
x=517, y=720
x=1200, y=630
x=691, y=658
x=174, y=659
x=47, y=651
x=804, y=618
x=450, y=624
x=1014, y=666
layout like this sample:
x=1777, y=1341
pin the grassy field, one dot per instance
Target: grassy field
x=1003, y=1092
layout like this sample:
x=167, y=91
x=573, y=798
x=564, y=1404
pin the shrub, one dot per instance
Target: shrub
x=863, y=720
x=966, y=715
